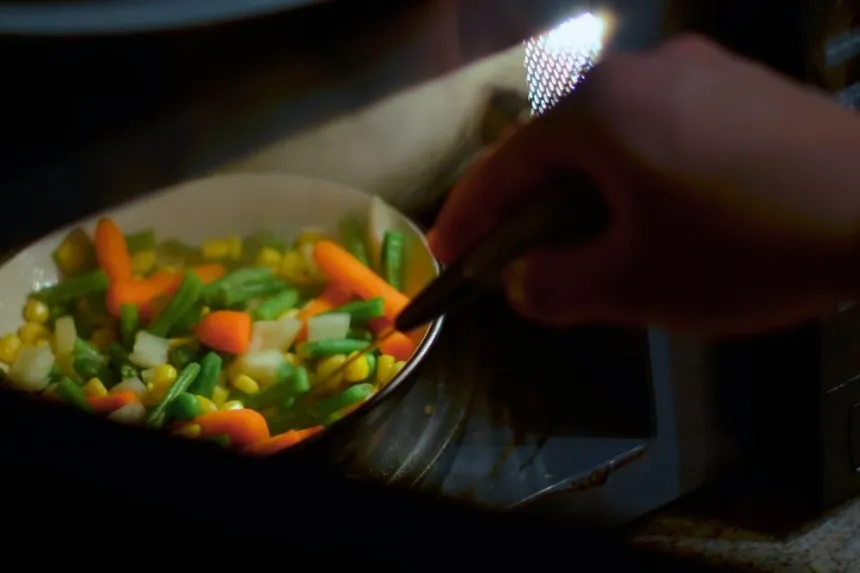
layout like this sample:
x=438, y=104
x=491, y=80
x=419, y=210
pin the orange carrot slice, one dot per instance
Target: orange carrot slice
x=111, y=251
x=225, y=330
x=332, y=296
x=394, y=343
x=141, y=292
x=111, y=402
x=209, y=273
x=244, y=427
x=337, y=263
x=281, y=442
x=397, y=345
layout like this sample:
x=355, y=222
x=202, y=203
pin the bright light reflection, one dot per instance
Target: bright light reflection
x=557, y=60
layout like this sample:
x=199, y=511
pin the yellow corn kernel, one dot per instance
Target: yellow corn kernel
x=326, y=370
x=246, y=384
x=220, y=395
x=164, y=375
x=384, y=369
x=190, y=431
x=204, y=311
x=232, y=405
x=398, y=366
x=311, y=237
x=269, y=257
x=153, y=395
x=102, y=338
x=215, y=249
x=234, y=247
x=357, y=370
x=9, y=347
x=292, y=265
x=33, y=332
x=231, y=372
x=291, y=359
x=177, y=342
x=161, y=378
x=70, y=255
x=292, y=313
x=94, y=388
x=36, y=311
x=207, y=406
x=143, y=262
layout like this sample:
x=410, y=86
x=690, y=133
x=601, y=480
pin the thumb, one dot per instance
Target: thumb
x=564, y=287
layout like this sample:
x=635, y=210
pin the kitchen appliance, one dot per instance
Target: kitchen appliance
x=390, y=97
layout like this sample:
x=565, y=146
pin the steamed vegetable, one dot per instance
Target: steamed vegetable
x=245, y=342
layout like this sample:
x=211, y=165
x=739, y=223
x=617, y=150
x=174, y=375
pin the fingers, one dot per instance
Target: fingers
x=502, y=180
x=490, y=189
x=564, y=287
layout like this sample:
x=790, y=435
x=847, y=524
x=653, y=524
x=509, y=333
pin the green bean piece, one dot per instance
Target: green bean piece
x=371, y=364
x=83, y=349
x=290, y=417
x=118, y=357
x=295, y=383
x=89, y=368
x=56, y=311
x=361, y=310
x=276, y=305
x=210, y=370
x=156, y=417
x=352, y=238
x=70, y=392
x=74, y=288
x=140, y=241
x=321, y=348
x=185, y=324
x=186, y=297
x=392, y=259
x=174, y=250
x=325, y=411
x=252, y=245
x=185, y=407
x=237, y=295
x=360, y=334
x=182, y=355
x=129, y=322
x=232, y=280
x=56, y=374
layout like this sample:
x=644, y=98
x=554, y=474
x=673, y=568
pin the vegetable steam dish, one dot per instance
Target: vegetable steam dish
x=223, y=341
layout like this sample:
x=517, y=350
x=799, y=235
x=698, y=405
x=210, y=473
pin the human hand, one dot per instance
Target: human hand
x=732, y=192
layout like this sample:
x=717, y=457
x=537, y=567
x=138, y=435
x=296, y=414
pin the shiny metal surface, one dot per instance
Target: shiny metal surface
x=557, y=60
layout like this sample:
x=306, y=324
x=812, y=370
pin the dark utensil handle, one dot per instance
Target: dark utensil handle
x=569, y=213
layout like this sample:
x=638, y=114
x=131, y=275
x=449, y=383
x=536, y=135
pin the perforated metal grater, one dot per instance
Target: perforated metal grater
x=557, y=61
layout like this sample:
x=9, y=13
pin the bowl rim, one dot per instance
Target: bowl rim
x=414, y=362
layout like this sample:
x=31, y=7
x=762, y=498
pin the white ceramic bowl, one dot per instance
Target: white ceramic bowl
x=218, y=207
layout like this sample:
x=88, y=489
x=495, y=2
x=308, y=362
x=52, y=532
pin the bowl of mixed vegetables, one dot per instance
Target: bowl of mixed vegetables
x=226, y=309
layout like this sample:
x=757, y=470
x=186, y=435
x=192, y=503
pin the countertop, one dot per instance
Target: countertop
x=743, y=534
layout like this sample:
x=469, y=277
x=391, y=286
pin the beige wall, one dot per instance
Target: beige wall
x=399, y=147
